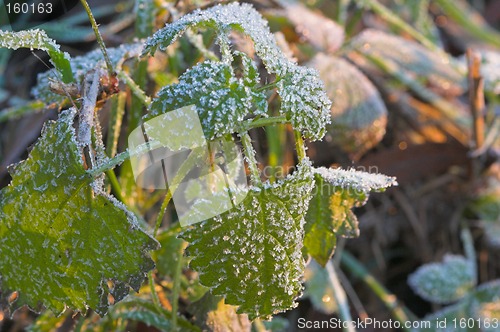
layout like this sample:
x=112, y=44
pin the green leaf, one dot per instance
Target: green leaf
x=38, y=39
x=359, y=115
x=303, y=99
x=337, y=191
x=444, y=318
x=251, y=254
x=444, y=282
x=58, y=227
x=221, y=100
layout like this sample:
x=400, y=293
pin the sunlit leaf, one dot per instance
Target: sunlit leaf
x=63, y=241
x=329, y=215
x=251, y=255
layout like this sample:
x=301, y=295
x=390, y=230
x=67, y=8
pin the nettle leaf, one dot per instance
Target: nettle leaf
x=444, y=282
x=251, y=254
x=359, y=115
x=62, y=239
x=329, y=215
x=221, y=100
x=304, y=101
x=80, y=66
x=38, y=39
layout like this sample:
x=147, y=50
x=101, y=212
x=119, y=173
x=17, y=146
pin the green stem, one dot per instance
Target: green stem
x=154, y=295
x=176, y=288
x=115, y=186
x=98, y=37
x=121, y=157
x=393, y=19
x=19, y=111
x=465, y=16
x=340, y=297
x=469, y=250
x=398, y=311
x=136, y=90
x=184, y=169
x=446, y=108
x=299, y=145
x=269, y=86
x=246, y=141
x=342, y=8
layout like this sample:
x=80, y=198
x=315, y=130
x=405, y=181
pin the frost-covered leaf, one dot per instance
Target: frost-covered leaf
x=319, y=288
x=251, y=254
x=323, y=33
x=329, y=215
x=59, y=228
x=38, y=39
x=80, y=66
x=304, y=101
x=411, y=57
x=445, y=319
x=221, y=100
x=444, y=282
x=359, y=115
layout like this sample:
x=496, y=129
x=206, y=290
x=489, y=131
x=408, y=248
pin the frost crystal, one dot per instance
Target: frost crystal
x=359, y=181
x=329, y=216
x=222, y=100
x=304, y=101
x=252, y=254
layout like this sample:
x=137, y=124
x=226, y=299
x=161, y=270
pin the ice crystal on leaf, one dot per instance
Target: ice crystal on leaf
x=304, y=101
x=444, y=282
x=221, y=100
x=329, y=215
x=251, y=254
x=61, y=238
x=38, y=39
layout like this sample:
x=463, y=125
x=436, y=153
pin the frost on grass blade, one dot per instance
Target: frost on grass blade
x=444, y=282
x=329, y=215
x=80, y=66
x=38, y=39
x=304, y=101
x=222, y=100
x=251, y=254
x=62, y=240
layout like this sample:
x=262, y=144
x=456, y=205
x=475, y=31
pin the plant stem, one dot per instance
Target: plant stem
x=184, y=169
x=98, y=36
x=115, y=186
x=136, y=90
x=250, y=158
x=154, y=295
x=340, y=297
x=143, y=148
x=467, y=18
x=19, y=111
x=268, y=86
x=470, y=252
x=299, y=145
x=176, y=287
x=398, y=311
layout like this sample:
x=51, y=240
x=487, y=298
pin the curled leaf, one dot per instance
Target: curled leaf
x=359, y=115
